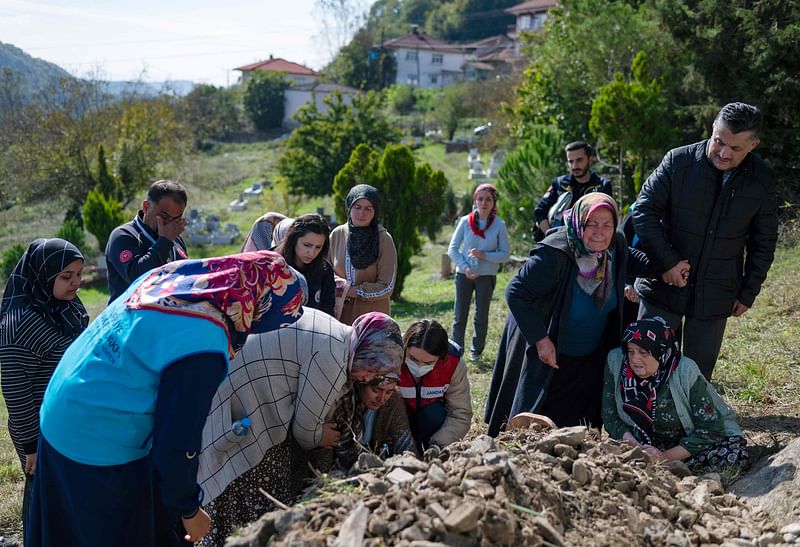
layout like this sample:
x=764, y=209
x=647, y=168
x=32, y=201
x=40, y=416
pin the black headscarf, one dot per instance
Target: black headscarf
x=31, y=286
x=363, y=244
x=639, y=394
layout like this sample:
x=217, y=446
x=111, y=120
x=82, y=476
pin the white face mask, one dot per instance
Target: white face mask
x=417, y=370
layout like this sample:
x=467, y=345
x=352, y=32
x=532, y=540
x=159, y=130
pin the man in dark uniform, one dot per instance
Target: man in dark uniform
x=151, y=239
x=570, y=187
x=708, y=217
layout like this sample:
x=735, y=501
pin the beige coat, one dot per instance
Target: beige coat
x=374, y=284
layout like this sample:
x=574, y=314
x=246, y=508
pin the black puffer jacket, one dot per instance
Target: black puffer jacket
x=686, y=211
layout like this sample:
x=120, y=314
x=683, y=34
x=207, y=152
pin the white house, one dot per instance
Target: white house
x=298, y=95
x=425, y=61
x=295, y=73
x=530, y=16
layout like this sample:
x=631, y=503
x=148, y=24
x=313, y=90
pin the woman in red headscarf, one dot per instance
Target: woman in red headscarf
x=478, y=247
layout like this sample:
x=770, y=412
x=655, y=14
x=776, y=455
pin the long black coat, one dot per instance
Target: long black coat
x=687, y=211
x=539, y=299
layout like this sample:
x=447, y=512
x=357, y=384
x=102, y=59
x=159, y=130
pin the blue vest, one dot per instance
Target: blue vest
x=99, y=406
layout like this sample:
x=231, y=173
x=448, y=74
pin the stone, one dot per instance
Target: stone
x=635, y=454
x=378, y=487
x=737, y=542
x=352, y=531
x=367, y=460
x=399, y=476
x=793, y=528
x=400, y=524
x=377, y=527
x=547, y=531
x=686, y=518
x=581, y=472
x=413, y=533
x=481, y=488
x=677, y=468
x=565, y=450
x=485, y=472
x=464, y=518
x=482, y=444
x=407, y=462
x=437, y=476
x=495, y=458
x=436, y=510
x=770, y=538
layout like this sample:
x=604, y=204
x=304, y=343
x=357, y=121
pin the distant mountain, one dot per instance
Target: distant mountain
x=36, y=75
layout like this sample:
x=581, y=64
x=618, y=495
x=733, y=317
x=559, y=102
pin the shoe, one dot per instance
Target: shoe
x=474, y=356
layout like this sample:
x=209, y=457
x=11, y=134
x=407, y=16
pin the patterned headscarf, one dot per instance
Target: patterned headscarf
x=363, y=243
x=243, y=293
x=376, y=345
x=594, y=269
x=639, y=394
x=474, y=216
x=30, y=285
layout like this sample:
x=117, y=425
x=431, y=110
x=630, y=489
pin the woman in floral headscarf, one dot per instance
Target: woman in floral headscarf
x=656, y=398
x=286, y=383
x=40, y=316
x=564, y=314
x=363, y=256
x=126, y=405
x=478, y=246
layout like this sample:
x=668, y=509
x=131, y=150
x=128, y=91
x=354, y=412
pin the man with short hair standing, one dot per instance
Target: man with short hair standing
x=150, y=240
x=580, y=180
x=708, y=217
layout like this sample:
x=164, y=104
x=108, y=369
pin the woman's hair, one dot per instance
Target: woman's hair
x=301, y=226
x=429, y=336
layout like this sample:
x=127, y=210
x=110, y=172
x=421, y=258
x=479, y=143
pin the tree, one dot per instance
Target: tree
x=525, y=175
x=211, y=113
x=452, y=107
x=102, y=214
x=264, y=99
x=623, y=114
x=411, y=197
x=361, y=64
x=340, y=19
x=584, y=43
x=105, y=180
x=326, y=137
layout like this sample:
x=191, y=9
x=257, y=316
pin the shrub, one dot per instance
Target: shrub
x=73, y=232
x=10, y=258
x=101, y=215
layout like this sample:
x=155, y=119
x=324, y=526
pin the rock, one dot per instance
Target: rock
x=559, y=475
x=561, y=450
x=436, y=475
x=773, y=485
x=581, y=472
x=482, y=444
x=400, y=524
x=793, y=528
x=770, y=538
x=413, y=533
x=424, y=543
x=677, y=468
x=399, y=476
x=436, y=510
x=635, y=454
x=485, y=472
x=547, y=531
x=377, y=527
x=378, y=487
x=686, y=518
x=480, y=488
x=495, y=458
x=738, y=542
x=407, y=462
x=351, y=534
x=368, y=460
x=790, y=538
x=464, y=518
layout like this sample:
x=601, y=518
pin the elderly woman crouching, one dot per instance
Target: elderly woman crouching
x=656, y=398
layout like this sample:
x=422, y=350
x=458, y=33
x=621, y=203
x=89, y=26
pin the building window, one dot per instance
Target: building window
x=411, y=55
x=411, y=79
x=434, y=78
x=538, y=21
x=524, y=22
x=437, y=59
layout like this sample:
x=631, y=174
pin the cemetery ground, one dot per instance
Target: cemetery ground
x=756, y=372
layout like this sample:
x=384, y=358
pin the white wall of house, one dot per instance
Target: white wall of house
x=426, y=68
x=296, y=98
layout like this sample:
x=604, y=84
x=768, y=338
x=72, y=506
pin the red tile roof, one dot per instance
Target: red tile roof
x=532, y=6
x=277, y=64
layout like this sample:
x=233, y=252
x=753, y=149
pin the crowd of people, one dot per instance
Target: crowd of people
x=208, y=389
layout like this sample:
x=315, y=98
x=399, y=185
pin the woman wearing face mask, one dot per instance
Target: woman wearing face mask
x=287, y=384
x=41, y=315
x=564, y=318
x=434, y=386
x=656, y=398
x=125, y=408
x=478, y=246
x=305, y=247
x=364, y=257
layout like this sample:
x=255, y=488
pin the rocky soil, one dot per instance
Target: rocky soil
x=528, y=487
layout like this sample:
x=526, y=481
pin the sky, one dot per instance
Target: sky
x=157, y=40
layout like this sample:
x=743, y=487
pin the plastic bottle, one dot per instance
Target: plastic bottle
x=241, y=427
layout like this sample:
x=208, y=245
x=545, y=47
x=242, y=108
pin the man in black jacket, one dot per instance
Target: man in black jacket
x=579, y=181
x=150, y=240
x=708, y=216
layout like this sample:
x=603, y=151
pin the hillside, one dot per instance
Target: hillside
x=34, y=74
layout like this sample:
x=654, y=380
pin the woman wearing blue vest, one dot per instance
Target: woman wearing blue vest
x=125, y=408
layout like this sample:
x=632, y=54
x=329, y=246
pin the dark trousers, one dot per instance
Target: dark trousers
x=426, y=421
x=483, y=286
x=701, y=339
x=26, y=506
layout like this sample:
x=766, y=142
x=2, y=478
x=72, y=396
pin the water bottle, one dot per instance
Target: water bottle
x=241, y=428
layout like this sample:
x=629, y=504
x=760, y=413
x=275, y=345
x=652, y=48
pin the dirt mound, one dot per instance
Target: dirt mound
x=565, y=487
